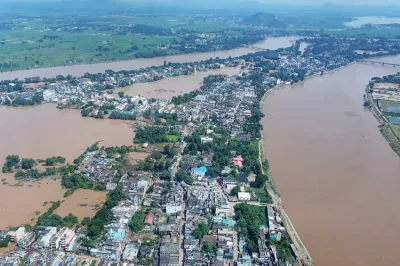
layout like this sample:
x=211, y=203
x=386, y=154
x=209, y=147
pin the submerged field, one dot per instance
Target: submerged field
x=83, y=203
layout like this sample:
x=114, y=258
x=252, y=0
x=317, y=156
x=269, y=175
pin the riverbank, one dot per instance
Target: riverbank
x=132, y=64
x=385, y=127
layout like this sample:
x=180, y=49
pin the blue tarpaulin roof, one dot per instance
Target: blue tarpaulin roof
x=202, y=170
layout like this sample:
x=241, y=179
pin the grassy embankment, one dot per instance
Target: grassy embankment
x=390, y=131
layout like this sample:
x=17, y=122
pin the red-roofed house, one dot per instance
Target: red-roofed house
x=149, y=218
x=238, y=161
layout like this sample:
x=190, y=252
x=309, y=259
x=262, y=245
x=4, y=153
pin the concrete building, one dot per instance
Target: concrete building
x=173, y=208
x=244, y=196
x=17, y=235
x=45, y=241
x=131, y=251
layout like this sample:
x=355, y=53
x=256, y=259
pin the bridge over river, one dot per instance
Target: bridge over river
x=379, y=63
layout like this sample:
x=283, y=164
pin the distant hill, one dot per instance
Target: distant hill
x=263, y=19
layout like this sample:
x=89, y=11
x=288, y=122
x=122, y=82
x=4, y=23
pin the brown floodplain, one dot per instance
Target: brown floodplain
x=40, y=132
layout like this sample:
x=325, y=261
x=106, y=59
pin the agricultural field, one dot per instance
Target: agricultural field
x=20, y=50
x=32, y=42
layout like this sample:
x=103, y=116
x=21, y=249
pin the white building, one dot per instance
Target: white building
x=173, y=208
x=206, y=140
x=17, y=235
x=131, y=251
x=45, y=241
x=244, y=196
x=49, y=96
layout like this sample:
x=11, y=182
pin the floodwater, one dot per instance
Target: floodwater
x=19, y=204
x=44, y=131
x=174, y=86
x=78, y=70
x=358, y=22
x=338, y=178
x=83, y=203
x=40, y=132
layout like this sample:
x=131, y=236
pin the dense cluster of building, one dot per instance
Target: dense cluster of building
x=184, y=223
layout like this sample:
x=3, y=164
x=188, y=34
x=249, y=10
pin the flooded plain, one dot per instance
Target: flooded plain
x=83, y=203
x=174, y=86
x=40, y=132
x=20, y=203
x=358, y=22
x=338, y=178
x=78, y=70
x=44, y=131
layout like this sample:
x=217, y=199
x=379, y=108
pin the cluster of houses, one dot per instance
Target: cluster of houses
x=173, y=211
x=390, y=92
x=209, y=206
x=93, y=89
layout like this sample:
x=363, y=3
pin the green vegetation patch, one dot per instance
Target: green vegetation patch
x=262, y=195
x=172, y=138
x=137, y=224
x=201, y=230
x=51, y=219
x=155, y=135
x=250, y=218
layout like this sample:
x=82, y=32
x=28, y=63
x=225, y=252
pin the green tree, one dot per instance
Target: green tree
x=201, y=230
x=182, y=176
x=137, y=224
x=209, y=248
x=85, y=221
x=150, y=189
x=4, y=242
x=70, y=220
x=260, y=180
x=249, y=219
x=166, y=175
x=94, y=230
x=11, y=161
x=169, y=151
x=235, y=191
x=27, y=163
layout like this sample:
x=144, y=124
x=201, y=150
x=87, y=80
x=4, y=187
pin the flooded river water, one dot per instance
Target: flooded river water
x=174, y=86
x=75, y=70
x=337, y=176
x=40, y=132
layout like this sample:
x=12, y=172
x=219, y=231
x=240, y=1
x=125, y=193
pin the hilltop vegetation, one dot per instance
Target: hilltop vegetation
x=263, y=19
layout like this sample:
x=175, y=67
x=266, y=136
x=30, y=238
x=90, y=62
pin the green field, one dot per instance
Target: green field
x=366, y=32
x=172, y=138
x=30, y=48
x=63, y=40
x=262, y=195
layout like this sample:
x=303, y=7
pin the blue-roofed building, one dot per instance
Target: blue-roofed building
x=199, y=172
x=116, y=234
x=227, y=222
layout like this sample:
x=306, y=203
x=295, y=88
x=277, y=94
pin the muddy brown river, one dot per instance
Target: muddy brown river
x=78, y=70
x=338, y=178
